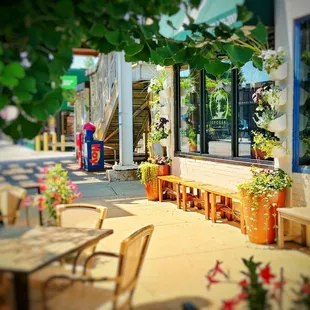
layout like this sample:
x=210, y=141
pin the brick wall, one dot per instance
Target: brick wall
x=224, y=175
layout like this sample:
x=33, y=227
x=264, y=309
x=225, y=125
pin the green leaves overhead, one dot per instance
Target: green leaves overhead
x=216, y=67
x=257, y=62
x=36, y=47
x=237, y=54
x=260, y=34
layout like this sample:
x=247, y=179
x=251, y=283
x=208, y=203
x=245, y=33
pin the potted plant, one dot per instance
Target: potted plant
x=187, y=85
x=148, y=173
x=191, y=134
x=268, y=145
x=276, y=96
x=274, y=64
x=259, y=287
x=271, y=119
x=56, y=188
x=260, y=197
x=163, y=163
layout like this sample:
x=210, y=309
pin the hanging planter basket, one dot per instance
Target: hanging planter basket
x=184, y=110
x=280, y=73
x=302, y=148
x=278, y=152
x=183, y=92
x=282, y=98
x=165, y=142
x=304, y=70
x=278, y=124
x=303, y=95
x=165, y=110
x=165, y=94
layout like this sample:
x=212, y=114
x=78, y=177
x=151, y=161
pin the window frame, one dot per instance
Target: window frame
x=296, y=97
x=233, y=159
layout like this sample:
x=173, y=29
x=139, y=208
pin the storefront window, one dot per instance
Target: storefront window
x=189, y=116
x=301, y=137
x=215, y=115
x=218, y=115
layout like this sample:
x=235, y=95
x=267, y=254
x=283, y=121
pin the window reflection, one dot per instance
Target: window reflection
x=189, y=110
x=304, y=95
x=218, y=115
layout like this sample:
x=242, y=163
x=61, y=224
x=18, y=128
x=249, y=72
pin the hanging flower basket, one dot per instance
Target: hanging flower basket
x=165, y=110
x=183, y=92
x=165, y=94
x=165, y=142
x=279, y=74
x=278, y=152
x=282, y=98
x=304, y=70
x=303, y=95
x=302, y=148
x=278, y=124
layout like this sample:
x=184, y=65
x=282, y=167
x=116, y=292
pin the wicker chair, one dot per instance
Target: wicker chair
x=11, y=198
x=72, y=215
x=80, y=293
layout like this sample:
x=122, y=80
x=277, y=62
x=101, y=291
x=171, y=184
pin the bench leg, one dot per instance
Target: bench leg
x=207, y=210
x=213, y=207
x=242, y=222
x=177, y=187
x=160, y=190
x=280, y=231
x=304, y=235
x=184, y=198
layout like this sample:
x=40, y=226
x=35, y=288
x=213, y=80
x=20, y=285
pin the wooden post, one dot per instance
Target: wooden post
x=206, y=203
x=38, y=143
x=45, y=141
x=63, y=141
x=54, y=140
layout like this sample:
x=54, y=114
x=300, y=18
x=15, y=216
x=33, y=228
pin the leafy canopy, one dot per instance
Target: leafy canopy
x=37, y=38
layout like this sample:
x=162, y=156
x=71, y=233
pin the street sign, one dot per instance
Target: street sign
x=69, y=81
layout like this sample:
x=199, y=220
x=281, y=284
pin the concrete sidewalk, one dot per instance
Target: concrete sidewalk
x=183, y=248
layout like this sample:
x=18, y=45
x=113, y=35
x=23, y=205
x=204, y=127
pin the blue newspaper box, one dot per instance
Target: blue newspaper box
x=93, y=155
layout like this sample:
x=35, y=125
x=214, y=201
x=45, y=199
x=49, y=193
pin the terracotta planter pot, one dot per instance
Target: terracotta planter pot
x=193, y=147
x=258, y=154
x=151, y=190
x=163, y=170
x=261, y=229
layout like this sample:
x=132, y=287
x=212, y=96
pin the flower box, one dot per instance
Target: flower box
x=278, y=124
x=282, y=98
x=278, y=152
x=279, y=74
x=165, y=94
x=303, y=120
x=165, y=110
x=165, y=142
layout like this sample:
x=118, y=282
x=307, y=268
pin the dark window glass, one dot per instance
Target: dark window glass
x=189, y=116
x=304, y=97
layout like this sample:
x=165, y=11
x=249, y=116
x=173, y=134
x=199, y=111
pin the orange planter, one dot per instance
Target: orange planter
x=261, y=229
x=151, y=190
x=163, y=169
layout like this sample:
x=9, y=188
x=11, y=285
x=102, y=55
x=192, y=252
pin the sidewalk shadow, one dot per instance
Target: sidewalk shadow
x=181, y=303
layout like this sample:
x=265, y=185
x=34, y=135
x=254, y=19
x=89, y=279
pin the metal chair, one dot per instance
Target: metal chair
x=80, y=293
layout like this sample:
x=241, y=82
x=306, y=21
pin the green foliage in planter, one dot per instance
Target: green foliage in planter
x=305, y=57
x=36, y=47
x=147, y=172
x=190, y=133
x=264, y=184
x=265, y=143
x=263, y=119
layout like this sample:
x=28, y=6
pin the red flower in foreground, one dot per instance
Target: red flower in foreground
x=242, y=296
x=306, y=288
x=266, y=275
x=229, y=304
x=211, y=280
x=244, y=283
x=278, y=285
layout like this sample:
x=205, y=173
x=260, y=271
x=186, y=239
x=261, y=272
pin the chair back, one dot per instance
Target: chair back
x=132, y=253
x=11, y=198
x=81, y=215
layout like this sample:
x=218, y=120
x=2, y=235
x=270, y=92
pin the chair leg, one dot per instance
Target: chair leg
x=280, y=231
x=242, y=223
x=160, y=190
x=184, y=198
x=206, y=200
x=177, y=187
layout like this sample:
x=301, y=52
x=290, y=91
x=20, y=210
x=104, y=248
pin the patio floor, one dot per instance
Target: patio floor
x=183, y=248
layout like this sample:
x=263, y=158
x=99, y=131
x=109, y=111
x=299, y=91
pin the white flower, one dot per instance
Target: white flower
x=149, y=89
x=9, y=113
x=159, y=68
x=280, y=49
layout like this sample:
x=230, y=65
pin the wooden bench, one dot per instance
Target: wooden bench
x=175, y=182
x=206, y=195
x=299, y=215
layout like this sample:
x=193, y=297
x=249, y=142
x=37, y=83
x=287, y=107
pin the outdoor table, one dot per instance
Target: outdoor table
x=24, y=250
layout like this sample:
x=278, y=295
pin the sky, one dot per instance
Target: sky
x=78, y=62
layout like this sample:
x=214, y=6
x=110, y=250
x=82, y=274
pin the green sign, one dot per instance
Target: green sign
x=69, y=81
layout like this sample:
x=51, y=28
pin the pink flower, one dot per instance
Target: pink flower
x=26, y=201
x=78, y=195
x=266, y=275
x=55, y=203
x=42, y=187
x=45, y=170
x=73, y=187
